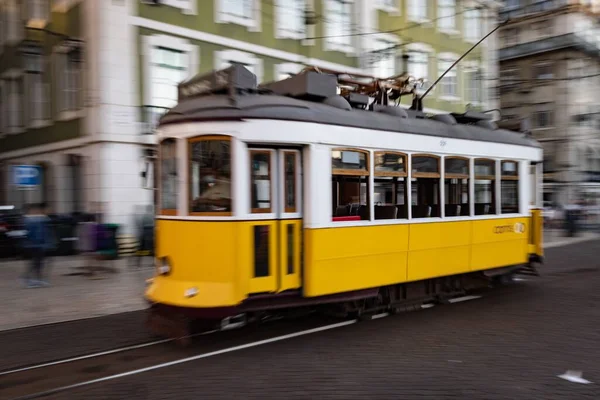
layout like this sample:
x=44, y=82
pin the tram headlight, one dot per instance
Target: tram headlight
x=163, y=266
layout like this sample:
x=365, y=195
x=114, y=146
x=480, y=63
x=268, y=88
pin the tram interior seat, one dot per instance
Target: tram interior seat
x=386, y=212
x=452, y=210
x=342, y=211
x=402, y=211
x=421, y=211
x=465, y=210
x=482, y=209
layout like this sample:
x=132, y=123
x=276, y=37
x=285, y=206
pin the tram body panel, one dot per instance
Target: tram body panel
x=359, y=257
x=202, y=255
x=353, y=258
x=499, y=242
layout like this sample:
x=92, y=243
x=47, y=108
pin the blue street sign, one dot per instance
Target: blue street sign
x=27, y=175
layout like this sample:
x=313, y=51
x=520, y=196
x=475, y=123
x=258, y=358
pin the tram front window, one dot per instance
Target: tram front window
x=168, y=176
x=350, y=185
x=210, y=175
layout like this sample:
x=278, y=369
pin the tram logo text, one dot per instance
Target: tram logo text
x=516, y=228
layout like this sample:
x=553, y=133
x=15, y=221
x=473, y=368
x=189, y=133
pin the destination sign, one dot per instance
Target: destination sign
x=234, y=77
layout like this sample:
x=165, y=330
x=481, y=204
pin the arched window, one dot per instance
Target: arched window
x=350, y=184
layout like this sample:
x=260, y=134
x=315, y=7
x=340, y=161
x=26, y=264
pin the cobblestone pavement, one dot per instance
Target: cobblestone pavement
x=510, y=344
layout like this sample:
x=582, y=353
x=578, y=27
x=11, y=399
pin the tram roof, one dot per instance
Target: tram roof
x=232, y=94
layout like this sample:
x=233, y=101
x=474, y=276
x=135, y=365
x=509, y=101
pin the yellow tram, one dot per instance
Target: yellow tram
x=293, y=194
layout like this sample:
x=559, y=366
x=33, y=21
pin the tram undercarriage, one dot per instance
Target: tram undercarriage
x=182, y=324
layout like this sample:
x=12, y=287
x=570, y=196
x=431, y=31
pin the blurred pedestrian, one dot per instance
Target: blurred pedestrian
x=38, y=241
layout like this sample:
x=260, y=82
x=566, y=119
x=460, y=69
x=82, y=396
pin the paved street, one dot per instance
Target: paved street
x=510, y=344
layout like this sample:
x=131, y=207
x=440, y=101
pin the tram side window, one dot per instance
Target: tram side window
x=456, y=185
x=509, y=191
x=425, y=186
x=350, y=185
x=485, y=187
x=168, y=176
x=210, y=175
x=390, y=192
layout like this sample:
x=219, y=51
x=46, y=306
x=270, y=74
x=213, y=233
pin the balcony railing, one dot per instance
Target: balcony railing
x=150, y=115
x=570, y=40
x=540, y=6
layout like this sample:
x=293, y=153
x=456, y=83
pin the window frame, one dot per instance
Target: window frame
x=253, y=23
x=466, y=176
x=425, y=174
x=360, y=173
x=297, y=181
x=281, y=17
x=272, y=198
x=392, y=174
x=446, y=21
x=336, y=41
x=189, y=143
x=418, y=11
x=494, y=185
x=472, y=24
x=166, y=211
x=351, y=172
x=511, y=178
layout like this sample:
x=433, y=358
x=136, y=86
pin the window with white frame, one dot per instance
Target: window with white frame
x=472, y=20
x=225, y=58
x=290, y=18
x=286, y=70
x=69, y=80
x=543, y=70
x=384, y=61
x=168, y=68
x=449, y=83
x=15, y=91
x=36, y=89
x=241, y=12
x=472, y=86
x=418, y=64
x=446, y=14
x=339, y=24
x=417, y=10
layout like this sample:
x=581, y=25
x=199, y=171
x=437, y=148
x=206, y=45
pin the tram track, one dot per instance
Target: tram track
x=41, y=380
x=50, y=378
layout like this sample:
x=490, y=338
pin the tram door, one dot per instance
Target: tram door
x=276, y=207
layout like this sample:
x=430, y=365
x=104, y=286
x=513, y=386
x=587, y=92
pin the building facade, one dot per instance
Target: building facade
x=550, y=73
x=82, y=83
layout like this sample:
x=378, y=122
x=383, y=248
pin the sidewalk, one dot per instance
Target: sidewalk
x=70, y=296
x=77, y=296
x=557, y=238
